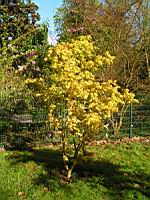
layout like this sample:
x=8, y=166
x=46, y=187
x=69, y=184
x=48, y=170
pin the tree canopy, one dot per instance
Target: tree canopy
x=21, y=42
x=121, y=27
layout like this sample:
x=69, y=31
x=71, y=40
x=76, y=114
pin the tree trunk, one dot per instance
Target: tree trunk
x=69, y=174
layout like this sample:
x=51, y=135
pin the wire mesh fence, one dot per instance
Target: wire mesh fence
x=136, y=122
x=24, y=123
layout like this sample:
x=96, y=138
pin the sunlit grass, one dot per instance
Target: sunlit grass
x=115, y=172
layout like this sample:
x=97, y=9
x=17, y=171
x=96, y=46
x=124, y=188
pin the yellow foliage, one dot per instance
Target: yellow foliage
x=73, y=85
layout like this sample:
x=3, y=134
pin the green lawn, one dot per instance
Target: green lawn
x=116, y=172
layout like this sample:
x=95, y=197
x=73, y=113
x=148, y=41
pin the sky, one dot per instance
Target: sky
x=47, y=9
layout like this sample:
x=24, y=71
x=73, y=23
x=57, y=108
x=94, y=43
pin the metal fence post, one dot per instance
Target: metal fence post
x=130, y=132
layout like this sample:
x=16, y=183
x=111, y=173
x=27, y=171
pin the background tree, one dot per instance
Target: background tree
x=22, y=43
x=122, y=27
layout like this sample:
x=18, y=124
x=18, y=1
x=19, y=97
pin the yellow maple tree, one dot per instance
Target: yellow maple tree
x=81, y=102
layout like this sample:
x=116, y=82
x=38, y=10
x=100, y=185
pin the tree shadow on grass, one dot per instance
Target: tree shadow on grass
x=114, y=178
x=92, y=172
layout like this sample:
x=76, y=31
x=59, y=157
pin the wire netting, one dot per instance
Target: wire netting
x=24, y=123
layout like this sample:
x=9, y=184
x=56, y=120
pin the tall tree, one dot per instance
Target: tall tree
x=22, y=41
x=73, y=17
x=122, y=27
x=17, y=21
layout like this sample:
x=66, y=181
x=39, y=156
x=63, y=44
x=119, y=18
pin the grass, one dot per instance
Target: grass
x=119, y=171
